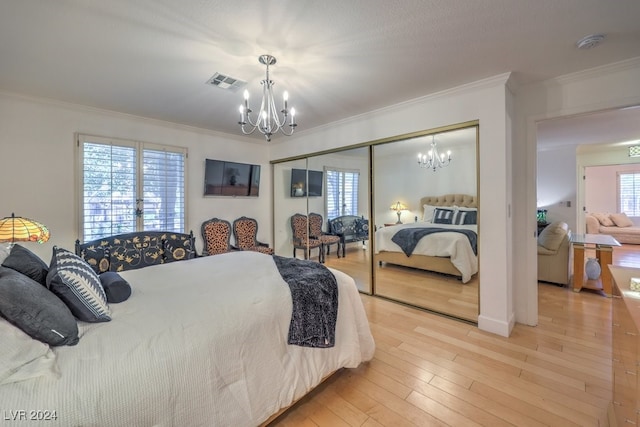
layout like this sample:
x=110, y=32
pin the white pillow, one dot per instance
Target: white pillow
x=427, y=213
x=22, y=357
x=462, y=208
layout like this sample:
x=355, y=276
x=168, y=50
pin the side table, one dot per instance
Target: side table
x=604, y=245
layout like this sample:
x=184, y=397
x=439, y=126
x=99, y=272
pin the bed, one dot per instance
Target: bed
x=450, y=252
x=201, y=342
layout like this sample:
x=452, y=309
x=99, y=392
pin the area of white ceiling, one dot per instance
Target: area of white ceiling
x=337, y=58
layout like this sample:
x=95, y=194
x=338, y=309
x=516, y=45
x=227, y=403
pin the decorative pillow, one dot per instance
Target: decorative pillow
x=97, y=257
x=26, y=262
x=603, y=219
x=427, y=213
x=115, y=287
x=443, y=216
x=465, y=216
x=35, y=310
x=22, y=357
x=621, y=220
x=175, y=248
x=552, y=235
x=78, y=286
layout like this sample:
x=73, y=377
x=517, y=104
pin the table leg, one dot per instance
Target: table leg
x=578, y=266
x=604, y=254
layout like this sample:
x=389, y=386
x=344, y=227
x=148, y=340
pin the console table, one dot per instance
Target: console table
x=604, y=245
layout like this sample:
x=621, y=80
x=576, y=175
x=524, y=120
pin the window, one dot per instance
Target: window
x=128, y=186
x=629, y=193
x=342, y=192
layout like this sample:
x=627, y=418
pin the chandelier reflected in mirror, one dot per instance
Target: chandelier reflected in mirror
x=433, y=159
x=268, y=121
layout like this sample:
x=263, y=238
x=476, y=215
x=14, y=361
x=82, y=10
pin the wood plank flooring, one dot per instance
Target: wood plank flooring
x=431, y=370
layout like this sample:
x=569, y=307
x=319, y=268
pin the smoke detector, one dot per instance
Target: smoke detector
x=590, y=41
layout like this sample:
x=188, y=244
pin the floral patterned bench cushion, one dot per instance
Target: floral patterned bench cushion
x=131, y=251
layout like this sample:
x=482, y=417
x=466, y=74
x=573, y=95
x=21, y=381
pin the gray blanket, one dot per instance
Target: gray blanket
x=314, y=291
x=408, y=238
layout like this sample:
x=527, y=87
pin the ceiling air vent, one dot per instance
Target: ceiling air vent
x=225, y=82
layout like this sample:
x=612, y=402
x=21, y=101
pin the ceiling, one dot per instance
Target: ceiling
x=337, y=58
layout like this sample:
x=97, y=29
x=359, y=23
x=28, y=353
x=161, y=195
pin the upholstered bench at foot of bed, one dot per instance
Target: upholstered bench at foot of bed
x=135, y=250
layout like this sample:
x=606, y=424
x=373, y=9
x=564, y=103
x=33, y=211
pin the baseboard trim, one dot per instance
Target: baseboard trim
x=495, y=326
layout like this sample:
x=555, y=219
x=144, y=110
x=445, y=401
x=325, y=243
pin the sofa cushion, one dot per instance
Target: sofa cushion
x=552, y=235
x=603, y=219
x=621, y=220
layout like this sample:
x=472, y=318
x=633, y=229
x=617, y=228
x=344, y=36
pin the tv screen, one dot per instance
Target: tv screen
x=299, y=185
x=222, y=178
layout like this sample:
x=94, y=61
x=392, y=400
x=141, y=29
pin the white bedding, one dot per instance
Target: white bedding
x=199, y=343
x=453, y=245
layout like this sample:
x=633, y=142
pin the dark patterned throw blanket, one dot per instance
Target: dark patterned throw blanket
x=314, y=291
x=408, y=238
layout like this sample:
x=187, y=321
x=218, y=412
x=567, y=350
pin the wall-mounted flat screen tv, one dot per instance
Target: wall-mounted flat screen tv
x=222, y=178
x=299, y=185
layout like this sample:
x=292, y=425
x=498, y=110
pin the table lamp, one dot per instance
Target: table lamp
x=18, y=229
x=398, y=207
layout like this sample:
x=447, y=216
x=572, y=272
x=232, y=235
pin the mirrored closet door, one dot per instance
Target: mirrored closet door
x=329, y=194
x=426, y=216
x=437, y=203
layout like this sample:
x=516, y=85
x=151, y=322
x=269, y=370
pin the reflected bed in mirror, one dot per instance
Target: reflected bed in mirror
x=444, y=241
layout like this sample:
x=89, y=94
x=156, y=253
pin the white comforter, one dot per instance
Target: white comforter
x=199, y=343
x=454, y=245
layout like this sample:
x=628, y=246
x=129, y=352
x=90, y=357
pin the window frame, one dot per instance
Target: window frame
x=140, y=147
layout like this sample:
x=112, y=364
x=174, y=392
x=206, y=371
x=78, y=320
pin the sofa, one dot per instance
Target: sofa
x=350, y=228
x=618, y=225
x=135, y=250
x=554, y=247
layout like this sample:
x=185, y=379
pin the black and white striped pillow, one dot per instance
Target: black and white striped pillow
x=443, y=216
x=78, y=286
x=465, y=217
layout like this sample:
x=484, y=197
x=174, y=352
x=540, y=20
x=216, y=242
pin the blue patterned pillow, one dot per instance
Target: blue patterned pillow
x=443, y=216
x=78, y=286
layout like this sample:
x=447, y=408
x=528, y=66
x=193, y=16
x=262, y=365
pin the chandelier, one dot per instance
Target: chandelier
x=433, y=159
x=268, y=120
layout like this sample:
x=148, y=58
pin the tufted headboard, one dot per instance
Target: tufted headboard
x=463, y=200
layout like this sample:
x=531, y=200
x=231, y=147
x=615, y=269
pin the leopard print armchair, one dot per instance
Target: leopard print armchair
x=245, y=232
x=216, y=234
x=301, y=238
x=315, y=231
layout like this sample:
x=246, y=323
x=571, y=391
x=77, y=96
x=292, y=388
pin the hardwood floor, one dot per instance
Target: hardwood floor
x=437, y=292
x=431, y=370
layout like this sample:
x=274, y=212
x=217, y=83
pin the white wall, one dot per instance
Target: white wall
x=556, y=185
x=37, y=146
x=485, y=101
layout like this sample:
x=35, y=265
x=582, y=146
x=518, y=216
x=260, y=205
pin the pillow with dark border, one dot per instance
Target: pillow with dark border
x=26, y=262
x=443, y=216
x=78, y=286
x=34, y=309
x=115, y=287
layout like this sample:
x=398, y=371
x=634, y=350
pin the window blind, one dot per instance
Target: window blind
x=629, y=193
x=130, y=186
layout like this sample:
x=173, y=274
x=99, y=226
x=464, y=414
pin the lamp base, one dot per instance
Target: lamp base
x=399, y=222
